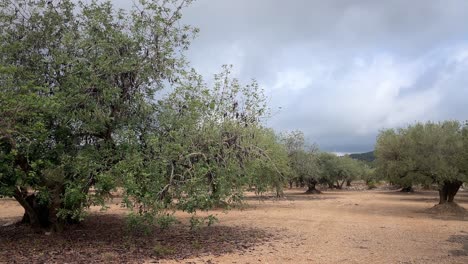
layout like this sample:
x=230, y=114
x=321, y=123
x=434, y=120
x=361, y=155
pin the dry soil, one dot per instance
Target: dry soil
x=379, y=226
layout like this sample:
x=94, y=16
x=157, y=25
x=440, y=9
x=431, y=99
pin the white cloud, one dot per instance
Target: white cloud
x=341, y=70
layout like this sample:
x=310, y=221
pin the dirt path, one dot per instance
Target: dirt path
x=335, y=227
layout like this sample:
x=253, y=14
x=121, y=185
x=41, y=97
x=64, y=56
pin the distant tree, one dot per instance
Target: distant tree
x=336, y=171
x=354, y=169
x=271, y=168
x=347, y=170
x=294, y=142
x=425, y=153
x=368, y=175
x=302, y=160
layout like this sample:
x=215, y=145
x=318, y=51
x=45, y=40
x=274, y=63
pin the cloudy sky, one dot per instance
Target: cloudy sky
x=341, y=70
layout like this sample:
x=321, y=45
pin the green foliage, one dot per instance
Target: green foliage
x=166, y=220
x=429, y=153
x=80, y=114
x=271, y=168
x=139, y=224
x=303, y=159
x=208, y=144
x=369, y=175
x=335, y=171
x=197, y=222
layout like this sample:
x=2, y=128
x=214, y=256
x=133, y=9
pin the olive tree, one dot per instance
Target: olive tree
x=302, y=160
x=208, y=143
x=270, y=170
x=425, y=153
x=77, y=79
x=79, y=116
x=347, y=170
x=336, y=171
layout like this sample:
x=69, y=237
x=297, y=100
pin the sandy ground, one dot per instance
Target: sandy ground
x=335, y=227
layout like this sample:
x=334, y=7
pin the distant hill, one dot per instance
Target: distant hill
x=367, y=156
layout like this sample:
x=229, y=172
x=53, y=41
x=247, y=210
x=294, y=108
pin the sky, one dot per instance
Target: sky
x=341, y=70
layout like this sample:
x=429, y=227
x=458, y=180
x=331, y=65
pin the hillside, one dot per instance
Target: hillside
x=367, y=156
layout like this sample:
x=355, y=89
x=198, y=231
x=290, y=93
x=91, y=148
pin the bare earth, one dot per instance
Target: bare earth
x=334, y=227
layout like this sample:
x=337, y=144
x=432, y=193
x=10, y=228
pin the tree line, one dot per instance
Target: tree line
x=95, y=100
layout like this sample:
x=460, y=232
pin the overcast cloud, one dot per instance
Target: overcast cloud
x=341, y=70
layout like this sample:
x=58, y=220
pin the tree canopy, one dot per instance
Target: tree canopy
x=426, y=153
x=81, y=115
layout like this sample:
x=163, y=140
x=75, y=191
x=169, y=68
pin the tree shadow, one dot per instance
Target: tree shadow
x=460, y=239
x=106, y=238
x=310, y=197
x=426, y=196
x=292, y=197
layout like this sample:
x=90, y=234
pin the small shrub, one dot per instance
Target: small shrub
x=161, y=250
x=166, y=221
x=137, y=223
x=196, y=222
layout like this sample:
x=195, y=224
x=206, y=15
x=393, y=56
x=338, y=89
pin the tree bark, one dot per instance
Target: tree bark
x=43, y=216
x=30, y=214
x=311, y=187
x=448, y=191
x=54, y=206
x=35, y=214
x=279, y=192
x=339, y=185
x=407, y=189
x=348, y=183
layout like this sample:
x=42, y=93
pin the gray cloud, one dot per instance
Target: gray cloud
x=341, y=70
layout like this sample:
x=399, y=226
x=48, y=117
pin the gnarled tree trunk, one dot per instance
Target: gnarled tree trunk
x=448, y=191
x=339, y=185
x=35, y=214
x=407, y=189
x=311, y=186
x=39, y=215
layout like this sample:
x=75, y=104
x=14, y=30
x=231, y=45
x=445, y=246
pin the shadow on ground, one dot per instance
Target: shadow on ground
x=106, y=239
x=293, y=197
x=461, y=239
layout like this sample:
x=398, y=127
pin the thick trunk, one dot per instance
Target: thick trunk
x=407, y=189
x=35, y=214
x=311, y=187
x=213, y=186
x=339, y=185
x=448, y=191
x=30, y=215
x=54, y=206
x=348, y=183
x=279, y=192
x=42, y=216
